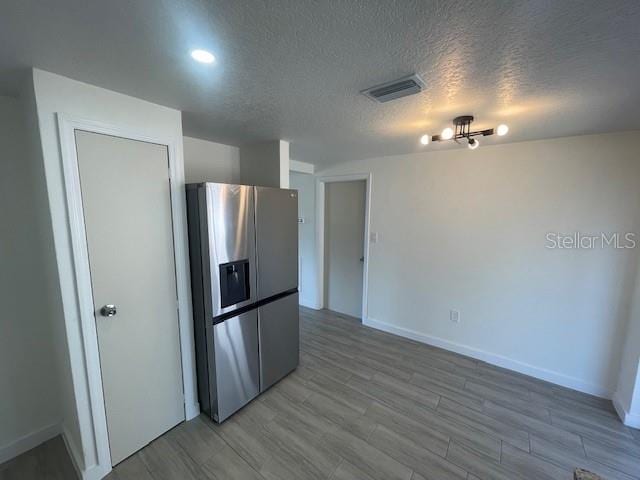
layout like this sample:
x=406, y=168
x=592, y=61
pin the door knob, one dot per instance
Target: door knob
x=362, y=259
x=108, y=311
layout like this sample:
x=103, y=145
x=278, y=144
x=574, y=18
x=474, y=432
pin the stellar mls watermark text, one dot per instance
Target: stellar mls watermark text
x=578, y=240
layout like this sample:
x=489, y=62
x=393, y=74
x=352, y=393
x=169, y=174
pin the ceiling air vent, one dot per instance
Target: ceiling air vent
x=402, y=87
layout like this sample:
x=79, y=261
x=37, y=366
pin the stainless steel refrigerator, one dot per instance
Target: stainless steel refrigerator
x=243, y=247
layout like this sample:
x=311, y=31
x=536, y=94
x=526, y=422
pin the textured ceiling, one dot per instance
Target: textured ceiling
x=293, y=69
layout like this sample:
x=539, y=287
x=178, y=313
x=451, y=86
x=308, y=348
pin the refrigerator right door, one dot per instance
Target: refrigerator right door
x=276, y=240
x=278, y=327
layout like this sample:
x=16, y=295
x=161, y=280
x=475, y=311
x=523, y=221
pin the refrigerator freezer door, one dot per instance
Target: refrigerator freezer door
x=236, y=363
x=279, y=339
x=277, y=240
x=230, y=239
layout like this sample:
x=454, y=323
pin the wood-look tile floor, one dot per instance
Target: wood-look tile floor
x=368, y=405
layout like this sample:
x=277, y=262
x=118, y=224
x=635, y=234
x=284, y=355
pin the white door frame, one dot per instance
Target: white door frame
x=320, y=250
x=94, y=435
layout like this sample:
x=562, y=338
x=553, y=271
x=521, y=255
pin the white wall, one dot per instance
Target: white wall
x=465, y=230
x=206, y=161
x=305, y=184
x=49, y=268
x=301, y=167
x=55, y=94
x=284, y=163
x=29, y=406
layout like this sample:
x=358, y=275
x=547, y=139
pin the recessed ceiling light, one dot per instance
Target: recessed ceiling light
x=424, y=139
x=203, y=56
x=502, y=129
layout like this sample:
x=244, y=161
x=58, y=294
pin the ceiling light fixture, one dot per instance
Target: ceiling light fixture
x=424, y=139
x=203, y=56
x=462, y=130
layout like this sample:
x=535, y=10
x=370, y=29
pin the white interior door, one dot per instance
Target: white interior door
x=127, y=213
x=344, y=243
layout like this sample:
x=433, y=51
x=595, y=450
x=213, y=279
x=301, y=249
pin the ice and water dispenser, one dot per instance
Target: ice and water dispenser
x=234, y=282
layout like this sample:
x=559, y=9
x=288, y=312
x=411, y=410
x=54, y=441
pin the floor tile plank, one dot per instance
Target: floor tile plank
x=346, y=471
x=550, y=452
x=479, y=465
x=430, y=465
x=432, y=425
x=484, y=423
x=614, y=458
x=366, y=457
x=506, y=398
x=532, y=467
x=534, y=426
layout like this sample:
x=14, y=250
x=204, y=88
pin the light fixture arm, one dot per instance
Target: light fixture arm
x=463, y=130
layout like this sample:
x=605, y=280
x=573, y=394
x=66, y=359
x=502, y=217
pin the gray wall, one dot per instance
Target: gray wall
x=29, y=403
x=206, y=161
x=265, y=164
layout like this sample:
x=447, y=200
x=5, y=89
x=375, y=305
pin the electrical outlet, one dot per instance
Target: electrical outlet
x=454, y=316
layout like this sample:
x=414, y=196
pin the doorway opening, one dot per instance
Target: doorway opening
x=343, y=247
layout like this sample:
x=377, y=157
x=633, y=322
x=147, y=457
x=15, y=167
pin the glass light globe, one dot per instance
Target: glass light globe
x=502, y=129
x=447, y=133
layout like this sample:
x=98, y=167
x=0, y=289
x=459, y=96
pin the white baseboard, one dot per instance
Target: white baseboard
x=29, y=441
x=38, y=437
x=97, y=472
x=74, y=453
x=93, y=472
x=309, y=304
x=191, y=410
x=629, y=419
x=492, y=358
